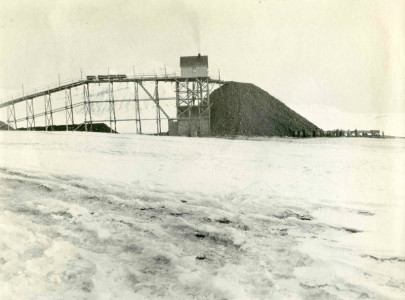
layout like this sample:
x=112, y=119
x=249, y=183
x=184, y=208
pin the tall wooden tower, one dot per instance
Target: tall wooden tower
x=192, y=97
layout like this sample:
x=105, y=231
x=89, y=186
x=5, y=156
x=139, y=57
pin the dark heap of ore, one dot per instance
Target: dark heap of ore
x=4, y=126
x=245, y=109
x=95, y=127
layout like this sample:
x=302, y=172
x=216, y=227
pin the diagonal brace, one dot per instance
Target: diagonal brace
x=154, y=100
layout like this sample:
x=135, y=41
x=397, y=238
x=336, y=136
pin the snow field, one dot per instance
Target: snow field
x=100, y=216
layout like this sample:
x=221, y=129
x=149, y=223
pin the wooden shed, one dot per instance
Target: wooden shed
x=194, y=66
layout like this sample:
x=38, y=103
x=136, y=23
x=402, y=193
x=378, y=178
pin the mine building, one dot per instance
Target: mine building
x=194, y=66
x=192, y=97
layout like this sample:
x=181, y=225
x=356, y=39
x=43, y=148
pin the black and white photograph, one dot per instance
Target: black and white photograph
x=178, y=149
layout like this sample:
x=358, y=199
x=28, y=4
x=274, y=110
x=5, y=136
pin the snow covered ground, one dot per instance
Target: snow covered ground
x=101, y=216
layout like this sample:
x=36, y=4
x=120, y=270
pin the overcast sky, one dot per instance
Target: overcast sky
x=346, y=54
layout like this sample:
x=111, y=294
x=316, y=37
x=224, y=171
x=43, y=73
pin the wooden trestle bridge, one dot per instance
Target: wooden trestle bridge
x=191, y=96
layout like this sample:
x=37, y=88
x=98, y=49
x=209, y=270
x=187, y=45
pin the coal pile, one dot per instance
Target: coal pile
x=95, y=127
x=245, y=109
x=4, y=126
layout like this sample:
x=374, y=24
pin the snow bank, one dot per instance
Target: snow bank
x=90, y=215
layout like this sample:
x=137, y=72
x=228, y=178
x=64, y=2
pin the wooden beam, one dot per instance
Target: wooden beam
x=153, y=99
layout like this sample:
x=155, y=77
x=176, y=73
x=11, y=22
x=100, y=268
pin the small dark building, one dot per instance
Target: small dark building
x=194, y=66
x=173, y=127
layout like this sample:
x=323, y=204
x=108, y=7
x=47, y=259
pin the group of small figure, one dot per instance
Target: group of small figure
x=338, y=133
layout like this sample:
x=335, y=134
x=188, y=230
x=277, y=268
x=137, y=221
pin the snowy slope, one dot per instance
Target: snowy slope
x=100, y=216
x=329, y=118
